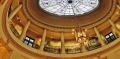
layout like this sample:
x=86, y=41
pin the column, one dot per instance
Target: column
x=43, y=40
x=118, y=6
x=114, y=26
x=99, y=36
x=23, y=35
x=83, y=47
x=2, y=2
x=104, y=39
x=62, y=44
x=114, y=32
x=14, y=12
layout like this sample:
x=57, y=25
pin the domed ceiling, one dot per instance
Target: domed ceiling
x=47, y=20
x=69, y=7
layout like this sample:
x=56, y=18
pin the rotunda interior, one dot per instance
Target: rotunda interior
x=59, y=29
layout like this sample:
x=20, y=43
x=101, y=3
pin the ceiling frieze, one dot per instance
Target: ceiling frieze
x=38, y=55
x=43, y=24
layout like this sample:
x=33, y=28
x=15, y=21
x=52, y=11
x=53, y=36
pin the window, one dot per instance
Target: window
x=29, y=41
x=69, y=7
x=110, y=37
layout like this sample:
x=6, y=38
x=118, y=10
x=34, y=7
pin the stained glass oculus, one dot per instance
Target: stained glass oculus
x=69, y=7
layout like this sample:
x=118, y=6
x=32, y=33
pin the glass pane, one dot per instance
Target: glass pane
x=31, y=40
x=26, y=42
x=27, y=38
x=69, y=7
x=107, y=36
x=30, y=44
x=111, y=34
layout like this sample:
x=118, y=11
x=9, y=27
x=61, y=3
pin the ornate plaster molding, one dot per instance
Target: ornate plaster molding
x=111, y=11
x=96, y=23
x=38, y=55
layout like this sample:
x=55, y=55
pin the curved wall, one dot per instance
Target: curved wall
x=20, y=50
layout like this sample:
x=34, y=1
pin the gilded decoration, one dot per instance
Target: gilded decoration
x=47, y=26
x=12, y=40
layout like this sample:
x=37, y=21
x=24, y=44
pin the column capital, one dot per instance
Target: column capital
x=114, y=26
x=118, y=6
x=28, y=22
x=12, y=14
x=95, y=28
x=110, y=20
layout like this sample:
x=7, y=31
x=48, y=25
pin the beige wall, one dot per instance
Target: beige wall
x=112, y=54
x=19, y=54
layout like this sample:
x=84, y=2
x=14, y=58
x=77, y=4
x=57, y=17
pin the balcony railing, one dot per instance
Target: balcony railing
x=15, y=32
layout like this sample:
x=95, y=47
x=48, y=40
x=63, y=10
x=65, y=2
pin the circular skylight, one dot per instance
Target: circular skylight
x=69, y=7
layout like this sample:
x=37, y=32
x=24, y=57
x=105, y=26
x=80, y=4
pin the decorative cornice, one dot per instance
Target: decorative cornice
x=105, y=18
x=96, y=23
x=42, y=24
x=37, y=55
